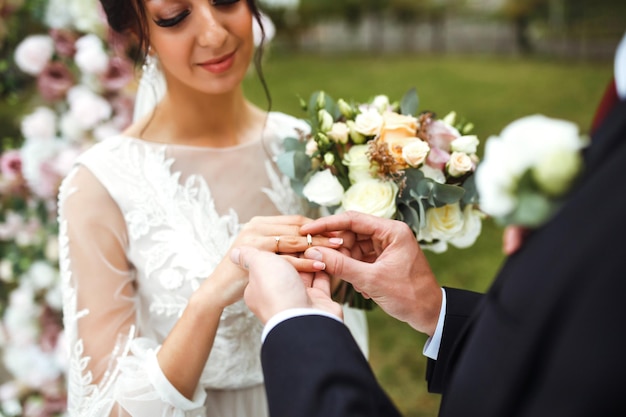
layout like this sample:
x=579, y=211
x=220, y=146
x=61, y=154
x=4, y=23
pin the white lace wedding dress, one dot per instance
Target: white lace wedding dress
x=142, y=225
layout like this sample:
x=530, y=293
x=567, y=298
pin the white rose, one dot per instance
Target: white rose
x=87, y=17
x=40, y=124
x=381, y=103
x=529, y=138
x=41, y=274
x=358, y=163
x=368, y=123
x=51, y=250
x=472, y=226
x=373, y=196
x=104, y=131
x=444, y=223
x=58, y=14
x=54, y=297
x=35, y=155
x=88, y=108
x=415, y=153
x=71, y=129
x=90, y=56
x=6, y=270
x=459, y=164
x=339, y=132
x=495, y=183
x=31, y=365
x=34, y=53
x=324, y=189
x=466, y=144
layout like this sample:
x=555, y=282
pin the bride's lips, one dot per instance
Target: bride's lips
x=219, y=65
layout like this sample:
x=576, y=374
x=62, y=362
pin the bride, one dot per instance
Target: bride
x=152, y=304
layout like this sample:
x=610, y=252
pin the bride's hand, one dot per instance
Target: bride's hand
x=278, y=234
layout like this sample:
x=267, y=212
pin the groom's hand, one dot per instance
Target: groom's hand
x=275, y=285
x=385, y=264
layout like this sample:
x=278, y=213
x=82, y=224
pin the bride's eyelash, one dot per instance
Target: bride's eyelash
x=223, y=2
x=166, y=23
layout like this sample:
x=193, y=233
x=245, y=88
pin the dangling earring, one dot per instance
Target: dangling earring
x=149, y=68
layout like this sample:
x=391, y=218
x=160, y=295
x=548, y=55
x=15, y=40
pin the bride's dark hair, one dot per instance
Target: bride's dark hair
x=129, y=17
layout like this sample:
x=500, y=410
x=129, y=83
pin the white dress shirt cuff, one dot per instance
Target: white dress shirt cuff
x=431, y=348
x=291, y=313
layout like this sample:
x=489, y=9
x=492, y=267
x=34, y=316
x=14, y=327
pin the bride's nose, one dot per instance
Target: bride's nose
x=212, y=31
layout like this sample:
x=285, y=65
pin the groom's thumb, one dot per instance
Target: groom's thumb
x=338, y=264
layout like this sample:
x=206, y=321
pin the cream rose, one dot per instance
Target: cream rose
x=373, y=196
x=359, y=165
x=324, y=189
x=368, y=123
x=339, y=132
x=443, y=223
x=415, y=153
x=472, y=226
x=459, y=164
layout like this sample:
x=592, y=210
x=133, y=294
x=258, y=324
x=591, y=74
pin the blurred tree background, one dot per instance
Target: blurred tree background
x=490, y=60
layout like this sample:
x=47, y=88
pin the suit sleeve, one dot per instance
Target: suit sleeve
x=460, y=304
x=314, y=368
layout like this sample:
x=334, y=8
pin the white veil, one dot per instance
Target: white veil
x=152, y=86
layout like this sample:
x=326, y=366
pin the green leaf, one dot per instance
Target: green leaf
x=471, y=192
x=532, y=211
x=294, y=164
x=410, y=216
x=410, y=103
x=447, y=194
x=294, y=144
x=328, y=103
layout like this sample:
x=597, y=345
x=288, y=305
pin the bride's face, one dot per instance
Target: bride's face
x=206, y=45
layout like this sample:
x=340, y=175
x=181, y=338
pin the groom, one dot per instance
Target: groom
x=547, y=339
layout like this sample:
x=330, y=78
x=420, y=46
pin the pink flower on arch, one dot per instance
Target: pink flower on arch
x=54, y=81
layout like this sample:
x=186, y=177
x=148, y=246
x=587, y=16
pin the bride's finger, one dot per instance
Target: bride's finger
x=296, y=244
x=305, y=265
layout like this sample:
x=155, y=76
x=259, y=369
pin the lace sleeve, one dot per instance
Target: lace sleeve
x=111, y=370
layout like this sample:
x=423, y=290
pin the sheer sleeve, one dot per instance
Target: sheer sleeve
x=112, y=370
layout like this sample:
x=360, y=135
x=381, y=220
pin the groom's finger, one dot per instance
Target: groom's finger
x=358, y=223
x=340, y=265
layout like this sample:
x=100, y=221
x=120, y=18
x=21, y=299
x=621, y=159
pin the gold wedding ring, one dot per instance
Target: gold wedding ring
x=309, y=240
x=277, y=239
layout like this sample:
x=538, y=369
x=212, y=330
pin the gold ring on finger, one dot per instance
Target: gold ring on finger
x=309, y=240
x=277, y=239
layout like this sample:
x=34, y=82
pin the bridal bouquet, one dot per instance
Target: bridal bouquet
x=528, y=169
x=386, y=159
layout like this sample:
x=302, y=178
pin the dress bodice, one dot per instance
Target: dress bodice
x=142, y=225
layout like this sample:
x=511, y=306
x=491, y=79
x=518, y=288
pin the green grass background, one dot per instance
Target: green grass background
x=488, y=91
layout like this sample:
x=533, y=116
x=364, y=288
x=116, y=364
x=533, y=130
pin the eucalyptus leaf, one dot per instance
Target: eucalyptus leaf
x=533, y=210
x=410, y=216
x=294, y=144
x=409, y=103
x=447, y=194
x=294, y=164
x=471, y=192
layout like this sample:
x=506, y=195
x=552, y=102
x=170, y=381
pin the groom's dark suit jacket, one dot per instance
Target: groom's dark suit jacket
x=547, y=339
